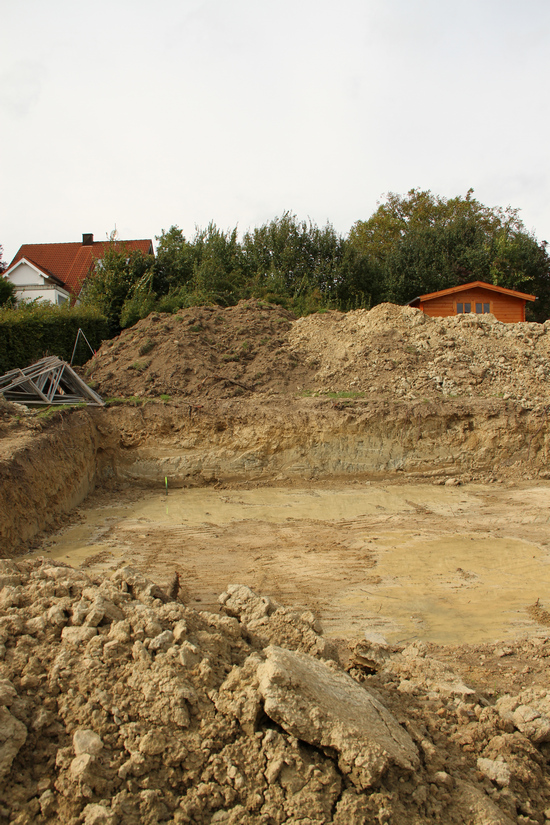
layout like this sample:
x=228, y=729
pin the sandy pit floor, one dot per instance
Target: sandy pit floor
x=447, y=565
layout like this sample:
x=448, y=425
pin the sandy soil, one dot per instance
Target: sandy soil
x=445, y=564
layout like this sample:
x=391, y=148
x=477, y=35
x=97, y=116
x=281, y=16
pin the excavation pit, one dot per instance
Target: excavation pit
x=448, y=565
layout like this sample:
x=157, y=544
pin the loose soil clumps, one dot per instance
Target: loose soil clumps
x=388, y=351
x=119, y=704
x=209, y=352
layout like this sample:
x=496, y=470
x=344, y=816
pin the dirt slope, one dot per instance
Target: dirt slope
x=389, y=351
x=119, y=705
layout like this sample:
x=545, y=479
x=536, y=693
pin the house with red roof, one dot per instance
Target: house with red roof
x=56, y=272
x=507, y=305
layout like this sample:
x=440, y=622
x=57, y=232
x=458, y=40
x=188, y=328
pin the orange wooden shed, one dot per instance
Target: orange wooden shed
x=506, y=305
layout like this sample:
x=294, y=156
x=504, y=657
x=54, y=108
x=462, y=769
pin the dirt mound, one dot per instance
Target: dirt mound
x=400, y=352
x=204, y=351
x=119, y=704
x=389, y=351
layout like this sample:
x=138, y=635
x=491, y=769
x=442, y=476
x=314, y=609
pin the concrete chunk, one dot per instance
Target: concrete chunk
x=328, y=709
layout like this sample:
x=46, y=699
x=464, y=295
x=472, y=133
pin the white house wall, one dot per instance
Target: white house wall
x=31, y=285
x=47, y=293
x=25, y=275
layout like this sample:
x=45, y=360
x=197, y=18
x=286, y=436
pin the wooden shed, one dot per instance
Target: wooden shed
x=506, y=305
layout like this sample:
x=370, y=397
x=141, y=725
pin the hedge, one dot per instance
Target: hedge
x=32, y=331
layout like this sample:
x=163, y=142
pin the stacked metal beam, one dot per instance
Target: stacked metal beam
x=48, y=381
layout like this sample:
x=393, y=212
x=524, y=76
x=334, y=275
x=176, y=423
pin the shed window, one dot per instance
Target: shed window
x=479, y=309
x=486, y=308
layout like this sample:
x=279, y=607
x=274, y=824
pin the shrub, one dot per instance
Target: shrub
x=35, y=330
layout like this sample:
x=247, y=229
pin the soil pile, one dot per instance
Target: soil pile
x=204, y=351
x=119, y=704
x=398, y=351
x=389, y=351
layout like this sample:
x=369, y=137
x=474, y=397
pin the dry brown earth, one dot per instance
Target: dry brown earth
x=121, y=704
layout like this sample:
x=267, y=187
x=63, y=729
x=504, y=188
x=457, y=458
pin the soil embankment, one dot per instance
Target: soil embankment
x=48, y=470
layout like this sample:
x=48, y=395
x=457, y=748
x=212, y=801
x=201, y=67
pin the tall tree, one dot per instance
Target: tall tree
x=114, y=280
x=423, y=242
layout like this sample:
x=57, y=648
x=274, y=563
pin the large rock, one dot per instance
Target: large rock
x=529, y=711
x=242, y=603
x=327, y=708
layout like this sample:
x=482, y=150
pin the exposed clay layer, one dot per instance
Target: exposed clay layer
x=45, y=474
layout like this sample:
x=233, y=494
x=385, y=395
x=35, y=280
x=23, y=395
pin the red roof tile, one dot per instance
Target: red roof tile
x=72, y=262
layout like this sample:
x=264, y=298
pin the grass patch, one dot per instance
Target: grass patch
x=165, y=398
x=131, y=401
x=146, y=347
x=346, y=394
x=230, y=356
x=49, y=412
x=140, y=366
x=349, y=394
x=196, y=328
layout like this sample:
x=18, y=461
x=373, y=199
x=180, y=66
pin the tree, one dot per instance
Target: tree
x=7, y=289
x=422, y=243
x=113, y=281
x=174, y=262
x=218, y=268
x=298, y=263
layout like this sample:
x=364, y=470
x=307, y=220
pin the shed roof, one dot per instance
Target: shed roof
x=513, y=293
x=70, y=263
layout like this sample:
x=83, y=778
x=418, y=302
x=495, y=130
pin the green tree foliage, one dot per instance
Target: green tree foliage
x=303, y=266
x=174, y=262
x=412, y=244
x=7, y=289
x=39, y=328
x=218, y=269
x=421, y=242
x=114, y=282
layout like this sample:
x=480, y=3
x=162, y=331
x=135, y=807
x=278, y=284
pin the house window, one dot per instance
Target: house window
x=460, y=308
x=486, y=307
x=479, y=309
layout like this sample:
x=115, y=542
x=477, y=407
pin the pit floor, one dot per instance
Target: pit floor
x=448, y=565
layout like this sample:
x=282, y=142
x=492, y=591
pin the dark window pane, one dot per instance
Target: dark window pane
x=486, y=307
x=459, y=308
x=479, y=309
x=467, y=307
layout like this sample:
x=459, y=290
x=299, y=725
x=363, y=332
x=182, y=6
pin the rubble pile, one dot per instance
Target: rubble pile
x=390, y=351
x=399, y=351
x=119, y=704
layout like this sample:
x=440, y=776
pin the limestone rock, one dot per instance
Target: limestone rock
x=529, y=712
x=86, y=741
x=328, y=709
x=78, y=635
x=474, y=807
x=98, y=815
x=495, y=770
x=240, y=601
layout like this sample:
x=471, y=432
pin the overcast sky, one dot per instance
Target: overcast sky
x=141, y=114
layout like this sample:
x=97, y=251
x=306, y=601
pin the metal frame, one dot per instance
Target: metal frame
x=48, y=381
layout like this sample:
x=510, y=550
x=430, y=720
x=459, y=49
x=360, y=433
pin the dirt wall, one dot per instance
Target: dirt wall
x=235, y=441
x=44, y=475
